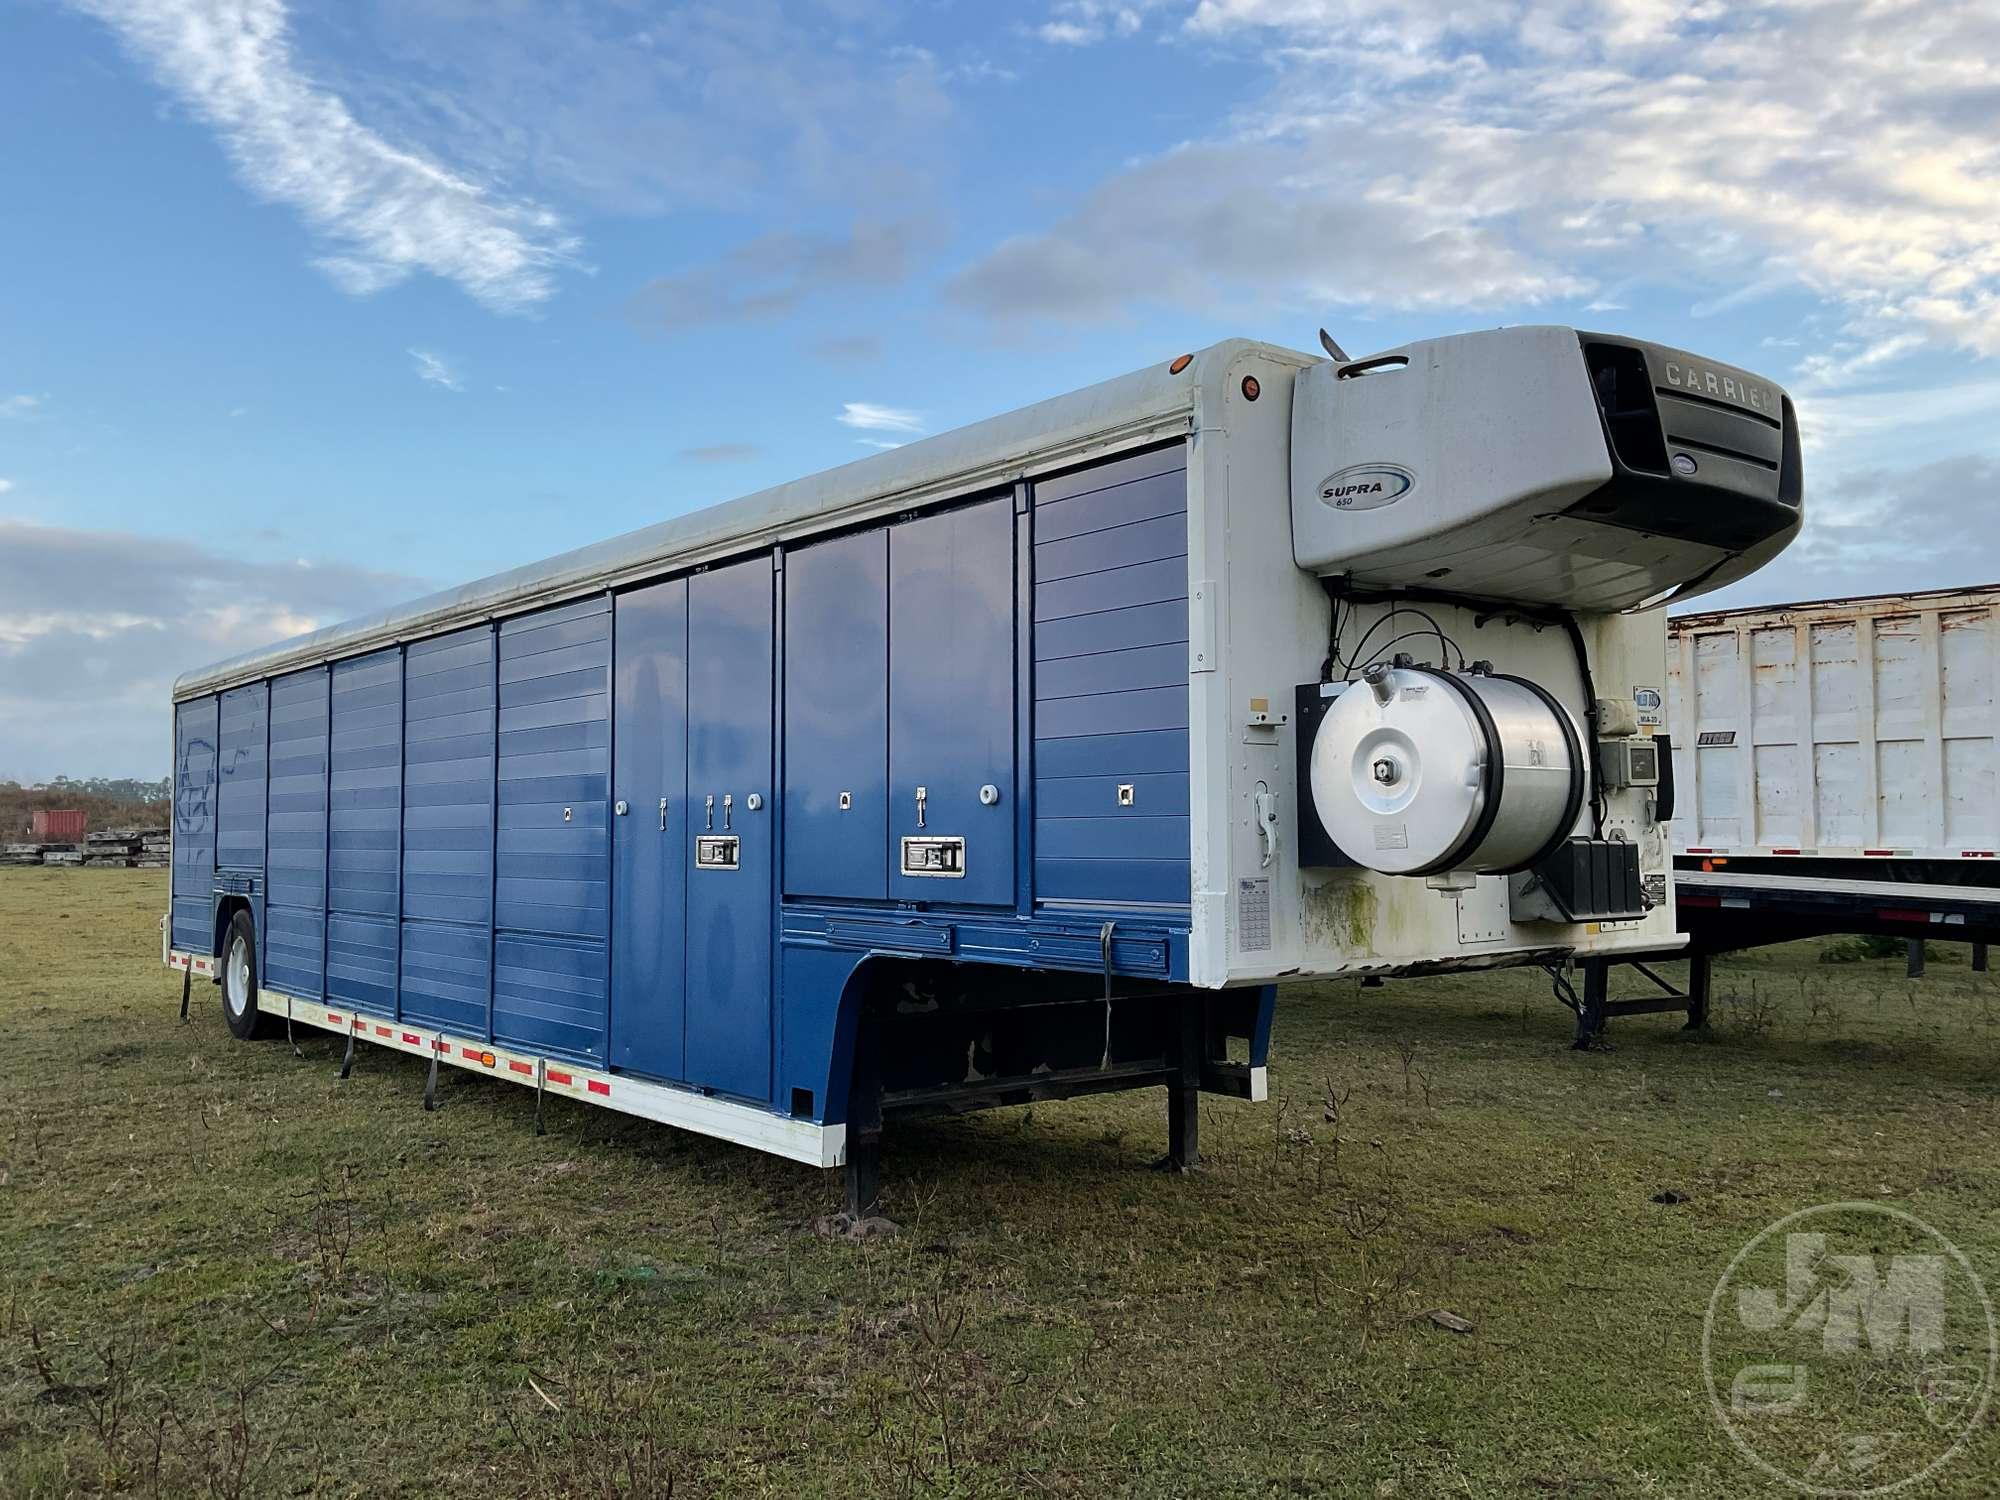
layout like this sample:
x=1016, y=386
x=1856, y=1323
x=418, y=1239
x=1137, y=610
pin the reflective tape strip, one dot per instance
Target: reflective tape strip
x=747, y=1125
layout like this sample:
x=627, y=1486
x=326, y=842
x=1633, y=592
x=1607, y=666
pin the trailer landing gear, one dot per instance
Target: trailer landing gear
x=1595, y=1007
x=1184, y=1092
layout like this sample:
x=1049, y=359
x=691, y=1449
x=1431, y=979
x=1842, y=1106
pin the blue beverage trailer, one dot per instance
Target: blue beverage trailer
x=1004, y=766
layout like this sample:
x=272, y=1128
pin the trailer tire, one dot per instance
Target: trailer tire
x=238, y=980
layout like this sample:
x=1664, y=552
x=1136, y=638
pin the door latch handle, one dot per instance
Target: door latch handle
x=923, y=796
x=663, y=815
x=711, y=813
x=1265, y=802
x=728, y=801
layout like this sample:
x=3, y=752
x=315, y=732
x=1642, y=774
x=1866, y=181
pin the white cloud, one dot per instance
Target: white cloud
x=869, y=417
x=1080, y=23
x=435, y=369
x=95, y=625
x=1496, y=153
x=6, y=485
x=22, y=408
x=389, y=210
x=878, y=444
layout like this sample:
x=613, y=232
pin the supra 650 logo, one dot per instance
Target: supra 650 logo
x=1366, y=486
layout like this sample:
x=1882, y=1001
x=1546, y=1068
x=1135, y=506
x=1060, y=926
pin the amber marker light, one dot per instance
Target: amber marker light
x=1180, y=364
x=1251, y=390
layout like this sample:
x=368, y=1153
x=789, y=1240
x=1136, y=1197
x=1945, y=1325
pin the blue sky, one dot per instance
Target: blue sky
x=312, y=307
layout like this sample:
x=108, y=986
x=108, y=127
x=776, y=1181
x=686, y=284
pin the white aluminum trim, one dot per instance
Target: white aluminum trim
x=744, y=1125
x=1896, y=892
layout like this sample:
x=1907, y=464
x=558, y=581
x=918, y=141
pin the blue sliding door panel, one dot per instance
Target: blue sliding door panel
x=837, y=718
x=364, y=792
x=1111, y=683
x=651, y=841
x=552, y=887
x=242, y=767
x=448, y=768
x=194, y=825
x=729, y=915
x=951, y=697
x=295, y=880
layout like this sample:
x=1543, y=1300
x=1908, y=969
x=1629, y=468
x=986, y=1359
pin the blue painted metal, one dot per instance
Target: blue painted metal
x=729, y=916
x=448, y=829
x=294, y=934
x=242, y=766
x=650, y=848
x=363, y=830
x=193, y=875
x=552, y=909
x=450, y=806
x=836, y=641
x=951, y=696
x=1111, y=683
x=819, y=1015
x=1024, y=701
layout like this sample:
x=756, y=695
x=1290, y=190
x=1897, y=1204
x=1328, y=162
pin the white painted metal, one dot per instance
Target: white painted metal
x=1849, y=728
x=1258, y=629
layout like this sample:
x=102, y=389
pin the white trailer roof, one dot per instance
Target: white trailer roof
x=1127, y=410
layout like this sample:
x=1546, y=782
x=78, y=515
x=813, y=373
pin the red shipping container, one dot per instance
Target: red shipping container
x=61, y=826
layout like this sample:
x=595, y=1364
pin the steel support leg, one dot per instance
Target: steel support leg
x=187, y=984
x=1701, y=973
x=1184, y=1092
x=1916, y=964
x=1979, y=958
x=864, y=1124
x=1596, y=990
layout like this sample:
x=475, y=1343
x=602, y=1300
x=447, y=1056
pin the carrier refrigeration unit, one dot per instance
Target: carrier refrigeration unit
x=1017, y=763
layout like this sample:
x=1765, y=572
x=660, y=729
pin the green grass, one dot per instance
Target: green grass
x=224, y=1271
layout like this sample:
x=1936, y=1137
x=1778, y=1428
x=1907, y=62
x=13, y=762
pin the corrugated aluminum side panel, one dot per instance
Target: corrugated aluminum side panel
x=552, y=885
x=366, y=782
x=1111, y=682
x=242, y=765
x=1851, y=728
x=194, y=825
x=448, y=754
x=295, y=890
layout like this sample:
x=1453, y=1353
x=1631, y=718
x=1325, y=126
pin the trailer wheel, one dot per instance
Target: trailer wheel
x=239, y=979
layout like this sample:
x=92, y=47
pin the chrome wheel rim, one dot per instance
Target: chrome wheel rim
x=236, y=982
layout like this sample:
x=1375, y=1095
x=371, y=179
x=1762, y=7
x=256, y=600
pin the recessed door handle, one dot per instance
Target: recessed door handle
x=663, y=815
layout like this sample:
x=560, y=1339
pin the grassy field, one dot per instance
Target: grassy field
x=224, y=1271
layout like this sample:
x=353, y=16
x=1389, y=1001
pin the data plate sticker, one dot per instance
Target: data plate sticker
x=1253, y=915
